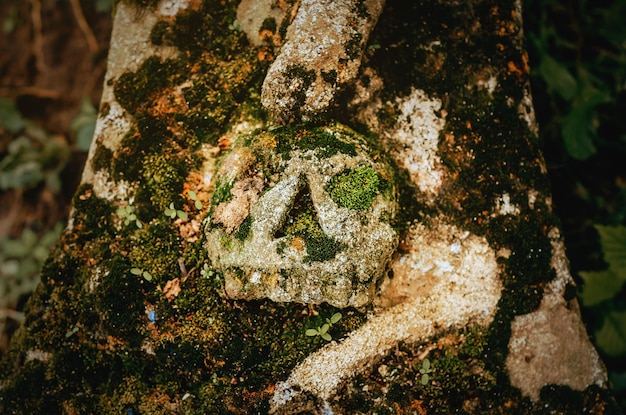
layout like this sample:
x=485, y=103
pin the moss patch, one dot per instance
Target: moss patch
x=306, y=137
x=133, y=90
x=162, y=175
x=302, y=223
x=355, y=189
x=102, y=158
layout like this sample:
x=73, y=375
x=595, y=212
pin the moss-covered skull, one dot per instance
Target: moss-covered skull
x=302, y=214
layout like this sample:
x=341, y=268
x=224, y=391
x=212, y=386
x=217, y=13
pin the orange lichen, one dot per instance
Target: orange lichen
x=244, y=193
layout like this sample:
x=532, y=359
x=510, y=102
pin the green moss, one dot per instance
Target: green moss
x=302, y=222
x=222, y=191
x=458, y=375
x=322, y=249
x=194, y=33
x=244, y=229
x=135, y=89
x=195, y=254
x=317, y=139
x=158, y=32
x=26, y=391
x=305, y=78
x=353, y=47
x=355, y=189
x=91, y=215
x=120, y=299
x=102, y=158
x=156, y=249
x=163, y=177
x=149, y=136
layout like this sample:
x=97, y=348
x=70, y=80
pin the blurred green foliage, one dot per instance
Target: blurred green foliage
x=84, y=124
x=20, y=262
x=32, y=157
x=577, y=50
x=601, y=288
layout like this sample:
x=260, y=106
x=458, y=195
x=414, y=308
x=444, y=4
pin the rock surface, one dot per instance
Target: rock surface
x=302, y=215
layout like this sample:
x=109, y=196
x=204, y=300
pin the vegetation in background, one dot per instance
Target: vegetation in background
x=84, y=124
x=33, y=159
x=578, y=58
x=32, y=156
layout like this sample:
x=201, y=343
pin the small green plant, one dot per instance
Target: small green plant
x=425, y=370
x=235, y=26
x=71, y=331
x=197, y=203
x=141, y=272
x=172, y=212
x=206, y=271
x=323, y=330
x=128, y=214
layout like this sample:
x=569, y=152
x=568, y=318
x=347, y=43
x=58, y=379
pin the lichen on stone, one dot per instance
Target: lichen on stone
x=315, y=205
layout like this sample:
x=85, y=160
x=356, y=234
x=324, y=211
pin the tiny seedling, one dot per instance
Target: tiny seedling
x=172, y=212
x=235, y=26
x=206, y=272
x=323, y=330
x=425, y=370
x=71, y=332
x=145, y=274
x=128, y=214
x=194, y=196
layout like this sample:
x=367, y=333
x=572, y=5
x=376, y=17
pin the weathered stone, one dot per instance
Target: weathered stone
x=302, y=215
x=321, y=54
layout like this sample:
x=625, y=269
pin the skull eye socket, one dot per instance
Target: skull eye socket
x=355, y=188
x=301, y=226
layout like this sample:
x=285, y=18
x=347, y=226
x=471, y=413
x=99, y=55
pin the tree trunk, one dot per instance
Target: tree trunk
x=330, y=207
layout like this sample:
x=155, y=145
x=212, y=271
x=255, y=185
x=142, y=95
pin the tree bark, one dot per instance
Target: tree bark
x=329, y=207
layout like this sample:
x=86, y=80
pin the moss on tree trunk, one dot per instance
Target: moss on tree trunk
x=131, y=315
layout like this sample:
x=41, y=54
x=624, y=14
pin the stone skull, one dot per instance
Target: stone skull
x=302, y=215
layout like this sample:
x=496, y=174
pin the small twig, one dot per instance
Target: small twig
x=12, y=314
x=35, y=15
x=92, y=43
x=183, y=268
x=11, y=91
